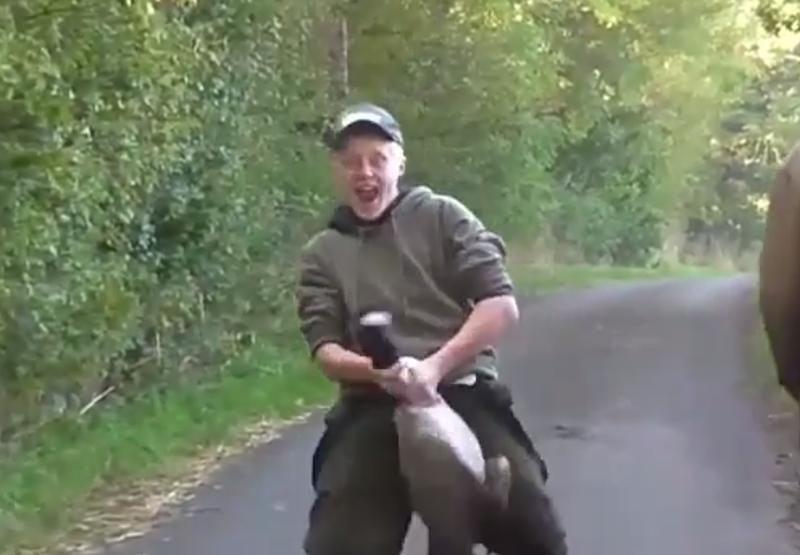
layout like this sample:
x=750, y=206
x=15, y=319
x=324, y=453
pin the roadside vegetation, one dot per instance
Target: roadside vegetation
x=161, y=162
x=84, y=477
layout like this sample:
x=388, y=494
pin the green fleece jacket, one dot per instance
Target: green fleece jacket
x=427, y=260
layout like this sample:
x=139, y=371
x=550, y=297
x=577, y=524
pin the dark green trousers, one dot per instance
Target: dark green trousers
x=362, y=505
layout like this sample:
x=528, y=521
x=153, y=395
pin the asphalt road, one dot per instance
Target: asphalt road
x=634, y=395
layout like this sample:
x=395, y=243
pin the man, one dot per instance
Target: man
x=427, y=260
x=780, y=274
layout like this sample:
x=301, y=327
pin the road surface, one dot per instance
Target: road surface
x=634, y=395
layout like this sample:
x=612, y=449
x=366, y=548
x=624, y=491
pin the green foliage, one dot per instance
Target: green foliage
x=539, y=279
x=47, y=482
x=780, y=15
x=508, y=105
x=147, y=198
x=160, y=162
x=759, y=129
x=648, y=83
x=88, y=135
x=473, y=90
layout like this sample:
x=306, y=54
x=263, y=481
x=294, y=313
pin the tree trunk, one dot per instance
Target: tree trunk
x=338, y=48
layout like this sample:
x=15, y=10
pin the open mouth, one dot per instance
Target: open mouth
x=367, y=195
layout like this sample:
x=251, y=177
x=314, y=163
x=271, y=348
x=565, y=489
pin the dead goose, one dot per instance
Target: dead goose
x=451, y=485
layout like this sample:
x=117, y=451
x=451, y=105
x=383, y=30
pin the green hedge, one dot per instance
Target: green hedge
x=160, y=162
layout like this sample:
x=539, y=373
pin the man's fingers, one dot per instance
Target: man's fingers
x=389, y=376
x=396, y=389
x=400, y=380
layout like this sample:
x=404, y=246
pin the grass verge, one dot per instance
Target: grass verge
x=47, y=483
x=532, y=278
x=762, y=379
x=778, y=413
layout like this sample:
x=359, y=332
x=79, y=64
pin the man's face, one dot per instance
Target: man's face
x=366, y=171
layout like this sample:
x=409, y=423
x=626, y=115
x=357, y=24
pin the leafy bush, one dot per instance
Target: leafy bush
x=160, y=162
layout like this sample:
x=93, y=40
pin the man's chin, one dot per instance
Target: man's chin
x=369, y=211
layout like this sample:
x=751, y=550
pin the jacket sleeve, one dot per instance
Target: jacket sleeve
x=319, y=302
x=475, y=256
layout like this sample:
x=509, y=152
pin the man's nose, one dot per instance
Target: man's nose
x=364, y=168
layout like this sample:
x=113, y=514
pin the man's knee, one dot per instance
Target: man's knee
x=358, y=448
x=350, y=519
x=535, y=525
x=530, y=524
x=538, y=523
x=487, y=409
x=338, y=530
x=355, y=540
x=362, y=506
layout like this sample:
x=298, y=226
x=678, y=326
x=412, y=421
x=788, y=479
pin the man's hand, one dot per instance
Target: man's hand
x=412, y=381
x=343, y=365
